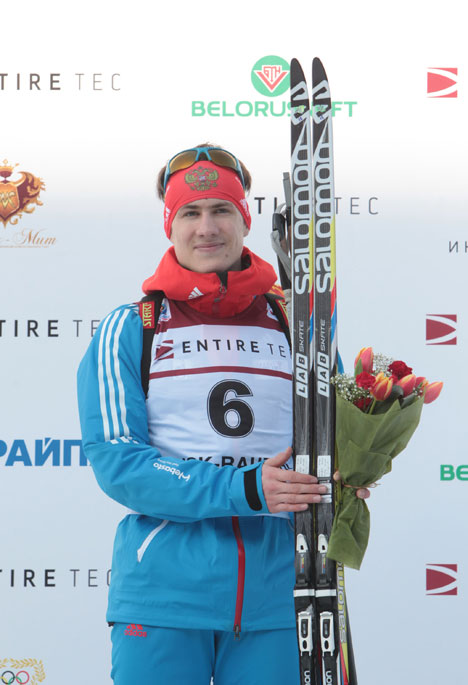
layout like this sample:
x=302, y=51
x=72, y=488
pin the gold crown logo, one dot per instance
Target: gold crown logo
x=7, y=169
x=18, y=196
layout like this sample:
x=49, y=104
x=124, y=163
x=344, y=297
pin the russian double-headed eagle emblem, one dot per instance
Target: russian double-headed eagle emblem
x=19, y=196
x=201, y=178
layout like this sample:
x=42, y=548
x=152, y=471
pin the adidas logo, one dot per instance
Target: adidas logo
x=136, y=630
x=195, y=293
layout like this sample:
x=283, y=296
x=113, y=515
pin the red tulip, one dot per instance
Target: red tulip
x=421, y=382
x=432, y=391
x=382, y=387
x=407, y=383
x=366, y=357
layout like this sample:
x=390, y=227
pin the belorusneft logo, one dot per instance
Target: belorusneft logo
x=441, y=329
x=26, y=670
x=441, y=579
x=442, y=82
x=20, y=196
x=270, y=78
x=451, y=472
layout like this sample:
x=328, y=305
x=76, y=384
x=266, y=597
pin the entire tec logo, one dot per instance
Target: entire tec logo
x=441, y=579
x=442, y=82
x=32, y=578
x=441, y=329
x=18, y=196
x=47, y=328
x=21, y=671
x=44, y=83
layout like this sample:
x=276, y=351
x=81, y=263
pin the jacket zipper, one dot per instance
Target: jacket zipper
x=148, y=539
x=240, y=576
x=222, y=293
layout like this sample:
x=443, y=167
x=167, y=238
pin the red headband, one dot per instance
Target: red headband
x=203, y=180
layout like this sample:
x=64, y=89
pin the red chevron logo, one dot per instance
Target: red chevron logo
x=441, y=329
x=442, y=82
x=165, y=350
x=441, y=579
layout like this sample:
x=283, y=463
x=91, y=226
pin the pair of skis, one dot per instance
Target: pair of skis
x=325, y=650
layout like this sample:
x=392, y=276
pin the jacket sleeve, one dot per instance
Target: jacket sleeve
x=114, y=427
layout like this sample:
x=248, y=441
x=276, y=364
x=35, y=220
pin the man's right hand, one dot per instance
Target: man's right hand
x=287, y=490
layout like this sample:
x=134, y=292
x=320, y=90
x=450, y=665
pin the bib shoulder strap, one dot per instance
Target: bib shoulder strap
x=149, y=308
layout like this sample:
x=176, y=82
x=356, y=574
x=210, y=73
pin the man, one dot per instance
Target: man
x=203, y=565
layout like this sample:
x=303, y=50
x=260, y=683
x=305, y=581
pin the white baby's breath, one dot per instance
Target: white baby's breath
x=346, y=387
x=381, y=363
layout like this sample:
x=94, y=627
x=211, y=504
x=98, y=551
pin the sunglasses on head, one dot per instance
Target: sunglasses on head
x=217, y=155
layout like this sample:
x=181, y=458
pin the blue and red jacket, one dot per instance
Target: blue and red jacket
x=198, y=547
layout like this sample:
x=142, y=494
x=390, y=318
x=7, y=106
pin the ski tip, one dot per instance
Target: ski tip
x=318, y=69
x=296, y=72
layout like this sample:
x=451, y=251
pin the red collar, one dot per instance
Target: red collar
x=205, y=292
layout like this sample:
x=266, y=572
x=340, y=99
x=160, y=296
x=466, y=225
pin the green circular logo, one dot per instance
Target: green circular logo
x=270, y=76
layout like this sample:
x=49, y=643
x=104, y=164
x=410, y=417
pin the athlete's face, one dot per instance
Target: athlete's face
x=208, y=235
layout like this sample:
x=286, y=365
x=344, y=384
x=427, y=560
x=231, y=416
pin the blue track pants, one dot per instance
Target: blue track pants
x=172, y=656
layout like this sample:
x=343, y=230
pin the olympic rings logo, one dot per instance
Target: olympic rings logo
x=8, y=677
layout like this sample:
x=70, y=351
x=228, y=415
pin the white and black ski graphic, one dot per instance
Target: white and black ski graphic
x=325, y=650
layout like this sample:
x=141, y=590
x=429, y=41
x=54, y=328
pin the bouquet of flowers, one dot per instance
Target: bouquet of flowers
x=377, y=411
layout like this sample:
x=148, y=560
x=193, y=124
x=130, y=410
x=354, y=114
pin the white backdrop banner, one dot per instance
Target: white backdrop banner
x=94, y=99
